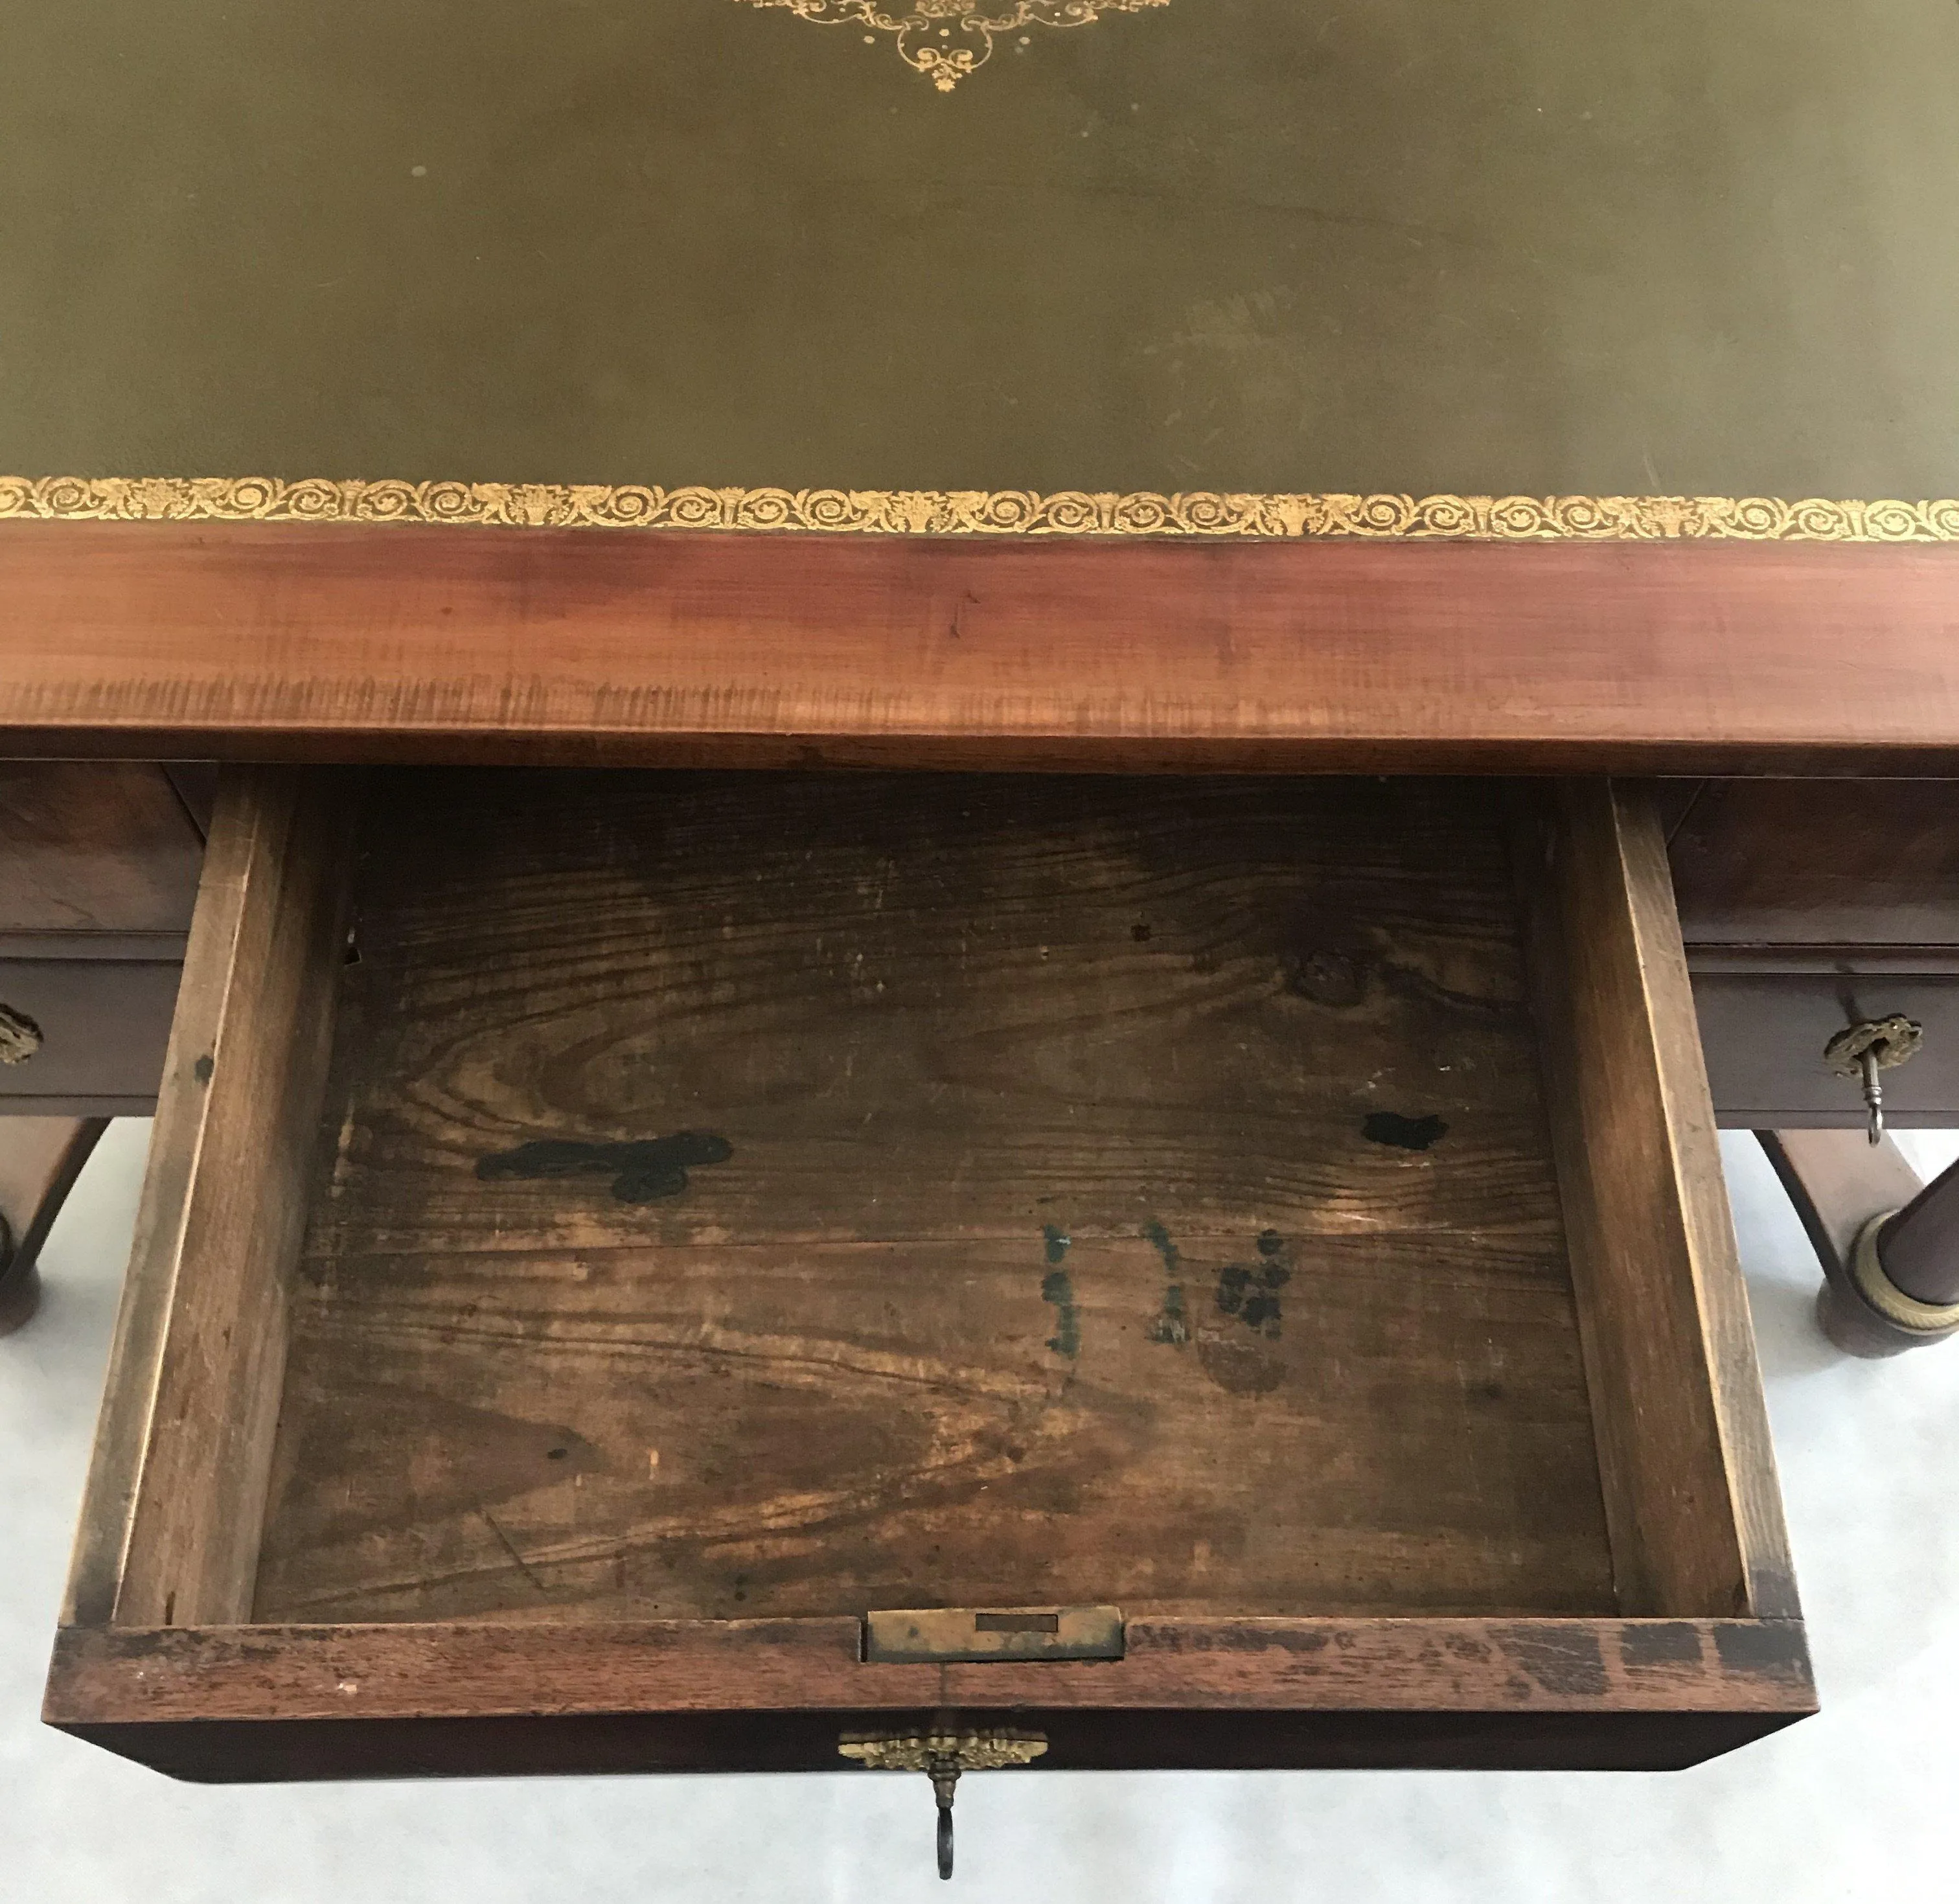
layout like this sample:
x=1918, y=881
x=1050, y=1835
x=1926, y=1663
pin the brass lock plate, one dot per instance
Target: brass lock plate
x=945, y=1635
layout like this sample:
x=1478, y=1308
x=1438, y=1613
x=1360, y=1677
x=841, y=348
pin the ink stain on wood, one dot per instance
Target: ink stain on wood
x=1403, y=1133
x=1057, y=1241
x=643, y=1171
x=1238, y=1355
x=1057, y=1288
x=1171, y=1325
x=203, y=1068
x=1250, y=1291
x=1252, y=1295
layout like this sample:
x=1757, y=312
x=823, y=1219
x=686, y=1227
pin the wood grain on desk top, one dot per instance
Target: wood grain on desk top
x=352, y=642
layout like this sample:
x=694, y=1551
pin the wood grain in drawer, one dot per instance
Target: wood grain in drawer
x=1051, y=1243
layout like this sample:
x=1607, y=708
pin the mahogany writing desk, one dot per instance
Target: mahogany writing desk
x=1143, y=1222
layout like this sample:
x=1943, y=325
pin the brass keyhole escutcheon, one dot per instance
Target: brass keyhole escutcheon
x=942, y=1755
x=1868, y=1047
x=20, y=1036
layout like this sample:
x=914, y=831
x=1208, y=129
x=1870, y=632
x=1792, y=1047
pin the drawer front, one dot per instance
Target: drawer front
x=1805, y=906
x=102, y=1025
x=96, y=853
x=695, y=1214
x=1764, y=1035
x=1847, y=869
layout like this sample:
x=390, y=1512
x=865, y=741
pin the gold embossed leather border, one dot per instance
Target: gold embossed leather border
x=881, y=511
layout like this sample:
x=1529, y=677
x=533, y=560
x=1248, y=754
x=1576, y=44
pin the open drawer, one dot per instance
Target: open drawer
x=668, y=1271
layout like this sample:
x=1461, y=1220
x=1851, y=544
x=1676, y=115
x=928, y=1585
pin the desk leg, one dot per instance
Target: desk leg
x=40, y=1157
x=1889, y=1242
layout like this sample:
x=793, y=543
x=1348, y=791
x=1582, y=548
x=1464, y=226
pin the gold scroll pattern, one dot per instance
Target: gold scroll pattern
x=973, y=512
x=949, y=40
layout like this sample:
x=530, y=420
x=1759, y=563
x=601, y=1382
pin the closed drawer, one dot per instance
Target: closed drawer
x=98, y=871
x=1765, y=1034
x=98, y=858
x=1272, y=1227
x=95, y=1033
x=1806, y=905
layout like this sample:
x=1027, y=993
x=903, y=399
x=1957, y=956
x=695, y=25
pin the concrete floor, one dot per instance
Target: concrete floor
x=1849, y=1806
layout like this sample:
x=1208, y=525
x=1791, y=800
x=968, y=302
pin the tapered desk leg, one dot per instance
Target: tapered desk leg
x=1889, y=1242
x=40, y=1157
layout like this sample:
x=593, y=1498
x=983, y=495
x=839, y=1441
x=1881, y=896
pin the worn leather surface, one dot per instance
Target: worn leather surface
x=1688, y=247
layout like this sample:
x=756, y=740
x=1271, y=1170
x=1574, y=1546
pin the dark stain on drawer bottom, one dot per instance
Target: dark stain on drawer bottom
x=1058, y=1288
x=643, y=1171
x=1172, y=1327
x=1403, y=1133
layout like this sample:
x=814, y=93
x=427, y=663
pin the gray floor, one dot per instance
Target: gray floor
x=1850, y=1806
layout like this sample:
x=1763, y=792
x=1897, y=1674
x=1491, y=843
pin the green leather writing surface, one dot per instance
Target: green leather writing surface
x=1682, y=247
